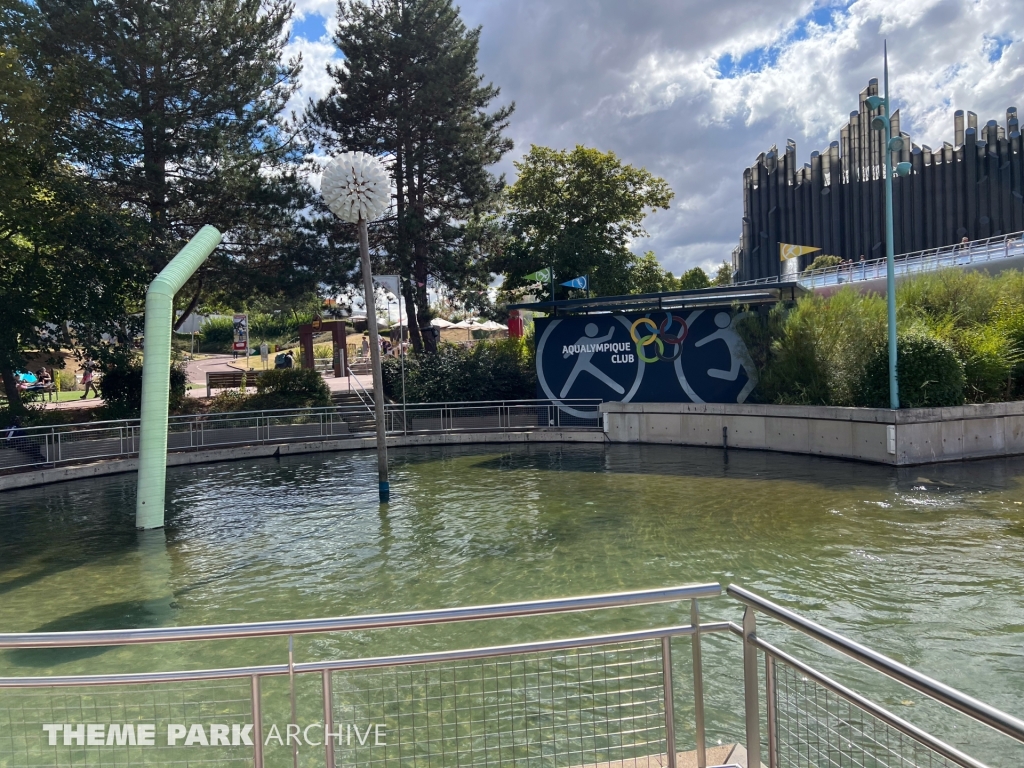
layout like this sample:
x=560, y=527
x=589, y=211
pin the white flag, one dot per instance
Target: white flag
x=391, y=283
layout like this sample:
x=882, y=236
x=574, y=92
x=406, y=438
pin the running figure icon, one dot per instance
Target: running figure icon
x=737, y=351
x=588, y=345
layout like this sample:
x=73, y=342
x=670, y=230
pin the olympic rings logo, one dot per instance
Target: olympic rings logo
x=659, y=335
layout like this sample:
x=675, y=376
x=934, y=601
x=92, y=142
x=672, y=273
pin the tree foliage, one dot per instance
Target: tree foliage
x=577, y=211
x=409, y=89
x=178, y=116
x=66, y=275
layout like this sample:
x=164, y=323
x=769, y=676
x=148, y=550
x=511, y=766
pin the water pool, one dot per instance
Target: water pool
x=925, y=564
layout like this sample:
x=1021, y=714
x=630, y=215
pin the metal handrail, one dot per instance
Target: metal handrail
x=901, y=725
x=375, y=662
x=930, y=687
x=972, y=249
x=349, y=623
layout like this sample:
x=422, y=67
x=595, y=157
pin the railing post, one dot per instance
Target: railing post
x=770, y=706
x=698, y=686
x=670, y=709
x=328, y=719
x=751, y=694
x=291, y=687
x=257, y=723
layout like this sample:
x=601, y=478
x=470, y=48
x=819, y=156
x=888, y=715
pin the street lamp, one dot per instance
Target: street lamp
x=892, y=144
x=356, y=188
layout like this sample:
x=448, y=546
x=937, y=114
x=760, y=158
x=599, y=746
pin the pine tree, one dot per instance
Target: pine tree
x=181, y=121
x=409, y=90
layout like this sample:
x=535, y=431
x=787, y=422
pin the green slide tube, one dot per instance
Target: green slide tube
x=156, y=374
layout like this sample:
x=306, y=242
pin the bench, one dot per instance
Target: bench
x=230, y=380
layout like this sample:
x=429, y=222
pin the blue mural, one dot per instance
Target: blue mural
x=688, y=356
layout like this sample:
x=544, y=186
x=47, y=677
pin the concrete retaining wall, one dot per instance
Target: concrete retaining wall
x=900, y=438
x=235, y=453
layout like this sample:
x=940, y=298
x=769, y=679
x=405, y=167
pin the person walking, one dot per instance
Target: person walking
x=88, y=379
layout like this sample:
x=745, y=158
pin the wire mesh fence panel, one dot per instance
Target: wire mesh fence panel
x=540, y=710
x=818, y=729
x=209, y=724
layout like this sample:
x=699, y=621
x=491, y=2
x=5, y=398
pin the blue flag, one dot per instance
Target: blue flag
x=576, y=282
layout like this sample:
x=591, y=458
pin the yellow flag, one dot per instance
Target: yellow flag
x=787, y=252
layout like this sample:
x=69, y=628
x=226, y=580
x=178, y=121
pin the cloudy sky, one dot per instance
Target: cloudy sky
x=695, y=90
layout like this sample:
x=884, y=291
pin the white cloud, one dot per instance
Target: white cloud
x=643, y=79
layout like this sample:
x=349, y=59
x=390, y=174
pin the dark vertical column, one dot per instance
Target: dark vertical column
x=1016, y=182
x=956, y=188
x=855, y=218
x=967, y=182
x=920, y=210
x=950, y=195
x=837, y=199
x=772, y=255
x=789, y=198
x=929, y=184
x=815, y=185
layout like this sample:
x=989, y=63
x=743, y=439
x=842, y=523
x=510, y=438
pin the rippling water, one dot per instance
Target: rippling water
x=925, y=564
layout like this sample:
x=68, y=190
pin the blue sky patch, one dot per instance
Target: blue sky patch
x=312, y=27
x=996, y=45
x=764, y=57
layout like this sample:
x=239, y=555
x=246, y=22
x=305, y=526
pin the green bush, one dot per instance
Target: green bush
x=121, y=388
x=928, y=372
x=492, y=370
x=289, y=388
x=814, y=353
x=823, y=261
x=218, y=330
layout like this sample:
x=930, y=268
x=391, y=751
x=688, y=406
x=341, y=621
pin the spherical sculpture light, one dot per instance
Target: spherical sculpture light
x=355, y=185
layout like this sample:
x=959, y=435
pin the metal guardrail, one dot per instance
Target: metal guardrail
x=574, y=701
x=991, y=249
x=853, y=733
x=38, y=447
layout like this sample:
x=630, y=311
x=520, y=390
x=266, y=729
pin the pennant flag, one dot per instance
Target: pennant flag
x=391, y=282
x=540, y=276
x=787, y=252
x=576, y=282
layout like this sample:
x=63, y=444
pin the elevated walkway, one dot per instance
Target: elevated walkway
x=993, y=254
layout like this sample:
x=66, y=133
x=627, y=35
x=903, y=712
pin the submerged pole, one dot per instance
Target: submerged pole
x=378, y=380
x=156, y=373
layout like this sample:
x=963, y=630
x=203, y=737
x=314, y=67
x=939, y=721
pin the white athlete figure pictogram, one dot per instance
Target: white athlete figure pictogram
x=737, y=351
x=583, y=360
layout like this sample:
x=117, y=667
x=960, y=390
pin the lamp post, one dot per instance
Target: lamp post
x=356, y=188
x=892, y=144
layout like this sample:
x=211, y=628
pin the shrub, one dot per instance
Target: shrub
x=289, y=388
x=492, y=370
x=814, y=353
x=928, y=372
x=823, y=261
x=121, y=388
x=217, y=330
x=323, y=351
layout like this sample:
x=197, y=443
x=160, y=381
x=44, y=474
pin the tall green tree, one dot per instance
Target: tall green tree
x=180, y=119
x=409, y=90
x=577, y=211
x=65, y=273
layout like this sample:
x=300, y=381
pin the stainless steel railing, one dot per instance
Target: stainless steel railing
x=991, y=249
x=775, y=659
x=633, y=667
x=37, y=447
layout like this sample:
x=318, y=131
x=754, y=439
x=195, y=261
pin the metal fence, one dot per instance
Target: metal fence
x=37, y=447
x=988, y=250
x=576, y=701
x=606, y=700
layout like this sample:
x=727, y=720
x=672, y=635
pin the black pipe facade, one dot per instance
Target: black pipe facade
x=972, y=188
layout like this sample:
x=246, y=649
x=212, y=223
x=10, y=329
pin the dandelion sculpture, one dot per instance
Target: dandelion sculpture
x=357, y=189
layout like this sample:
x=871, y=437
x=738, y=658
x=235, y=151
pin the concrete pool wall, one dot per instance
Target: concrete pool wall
x=899, y=438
